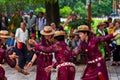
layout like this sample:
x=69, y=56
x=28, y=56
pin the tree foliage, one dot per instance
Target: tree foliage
x=80, y=9
x=41, y=9
x=65, y=11
x=78, y=6
x=102, y=8
x=80, y=21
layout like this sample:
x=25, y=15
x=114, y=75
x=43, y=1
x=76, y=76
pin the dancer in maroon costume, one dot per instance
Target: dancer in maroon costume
x=63, y=53
x=10, y=59
x=96, y=67
x=44, y=59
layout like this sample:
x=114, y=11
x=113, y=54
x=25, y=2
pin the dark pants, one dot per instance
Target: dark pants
x=39, y=35
x=22, y=53
x=116, y=54
x=30, y=55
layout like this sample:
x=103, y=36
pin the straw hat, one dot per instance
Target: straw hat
x=101, y=23
x=47, y=31
x=4, y=34
x=59, y=33
x=83, y=28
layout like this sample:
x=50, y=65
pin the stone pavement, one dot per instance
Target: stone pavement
x=114, y=73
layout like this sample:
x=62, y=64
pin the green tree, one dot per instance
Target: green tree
x=80, y=8
x=41, y=9
x=51, y=6
x=65, y=11
x=104, y=8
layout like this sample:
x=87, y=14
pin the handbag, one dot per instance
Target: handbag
x=19, y=45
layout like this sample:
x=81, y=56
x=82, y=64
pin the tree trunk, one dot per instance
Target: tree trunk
x=48, y=13
x=52, y=13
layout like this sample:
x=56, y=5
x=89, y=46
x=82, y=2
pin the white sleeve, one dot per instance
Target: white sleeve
x=17, y=33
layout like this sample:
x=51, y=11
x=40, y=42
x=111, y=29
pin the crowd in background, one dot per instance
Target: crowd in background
x=30, y=33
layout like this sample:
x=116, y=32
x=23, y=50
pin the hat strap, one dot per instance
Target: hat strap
x=47, y=31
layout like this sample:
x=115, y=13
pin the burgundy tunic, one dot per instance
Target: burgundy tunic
x=62, y=51
x=93, y=52
x=44, y=59
x=12, y=63
x=63, y=54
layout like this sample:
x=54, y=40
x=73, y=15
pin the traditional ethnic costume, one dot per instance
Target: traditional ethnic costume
x=44, y=59
x=63, y=53
x=12, y=63
x=5, y=56
x=96, y=67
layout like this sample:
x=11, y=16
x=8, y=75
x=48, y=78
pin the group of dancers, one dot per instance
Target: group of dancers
x=54, y=42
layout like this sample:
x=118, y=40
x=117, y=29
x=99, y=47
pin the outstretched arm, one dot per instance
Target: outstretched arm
x=50, y=49
x=105, y=38
x=77, y=50
x=29, y=65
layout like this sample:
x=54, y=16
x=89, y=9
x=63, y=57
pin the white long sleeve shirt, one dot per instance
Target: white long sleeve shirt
x=21, y=35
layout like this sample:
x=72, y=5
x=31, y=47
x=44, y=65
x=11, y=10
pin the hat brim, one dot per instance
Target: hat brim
x=43, y=33
x=58, y=35
x=82, y=30
x=4, y=36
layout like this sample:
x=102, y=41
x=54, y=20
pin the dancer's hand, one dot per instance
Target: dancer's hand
x=48, y=69
x=29, y=65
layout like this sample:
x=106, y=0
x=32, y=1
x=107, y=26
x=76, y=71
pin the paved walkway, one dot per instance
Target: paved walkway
x=114, y=73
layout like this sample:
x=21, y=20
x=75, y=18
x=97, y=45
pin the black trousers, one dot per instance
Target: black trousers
x=22, y=55
x=116, y=54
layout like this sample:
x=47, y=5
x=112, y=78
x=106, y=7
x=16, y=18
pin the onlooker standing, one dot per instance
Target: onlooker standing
x=21, y=37
x=53, y=25
x=116, y=53
x=100, y=32
x=109, y=20
x=111, y=42
x=31, y=23
x=4, y=21
x=111, y=28
x=41, y=22
x=25, y=19
x=75, y=43
x=56, y=28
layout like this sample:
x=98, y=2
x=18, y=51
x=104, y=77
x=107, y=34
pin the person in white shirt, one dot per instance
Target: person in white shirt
x=21, y=39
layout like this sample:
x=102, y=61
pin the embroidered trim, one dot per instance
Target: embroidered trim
x=95, y=60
